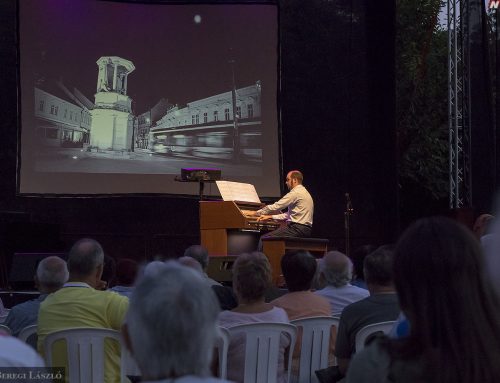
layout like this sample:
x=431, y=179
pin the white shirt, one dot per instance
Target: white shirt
x=300, y=207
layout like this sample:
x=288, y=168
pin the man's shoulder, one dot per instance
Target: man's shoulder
x=356, y=307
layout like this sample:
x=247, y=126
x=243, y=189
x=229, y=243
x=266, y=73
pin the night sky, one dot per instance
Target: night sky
x=175, y=57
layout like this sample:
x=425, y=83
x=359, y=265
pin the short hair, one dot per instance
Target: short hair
x=299, y=268
x=171, y=322
x=251, y=275
x=126, y=271
x=52, y=272
x=296, y=174
x=85, y=256
x=378, y=266
x=336, y=268
x=199, y=253
x=191, y=263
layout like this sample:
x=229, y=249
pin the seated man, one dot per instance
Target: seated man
x=225, y=295
x=51, y=274
x=171, y=326
x=382, y=304
x=300, y=210
x=199, y=253
x=79, y=303
x=336, y=272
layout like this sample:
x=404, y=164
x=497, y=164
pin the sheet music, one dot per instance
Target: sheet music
x=237, y=191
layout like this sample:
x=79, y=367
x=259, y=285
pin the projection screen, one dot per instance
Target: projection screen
x=117, y=97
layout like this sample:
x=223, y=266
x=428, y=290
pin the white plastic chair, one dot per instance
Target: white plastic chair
x=5, y=329
x=85, y=353
x=370, y=329
x=262, y=348
x=315, y=346
x=222, y=346
x=29, y=335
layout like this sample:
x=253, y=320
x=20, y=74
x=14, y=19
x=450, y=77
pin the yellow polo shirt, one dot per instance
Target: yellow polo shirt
x=79, y=305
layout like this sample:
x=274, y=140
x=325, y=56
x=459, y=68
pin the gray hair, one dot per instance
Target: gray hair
x=336, y=268
x=52, y=272
x=85, y=256
x=172, y=323
x=199, y=253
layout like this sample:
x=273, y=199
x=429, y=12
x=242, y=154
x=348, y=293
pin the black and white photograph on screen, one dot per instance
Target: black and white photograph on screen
x=121, y=88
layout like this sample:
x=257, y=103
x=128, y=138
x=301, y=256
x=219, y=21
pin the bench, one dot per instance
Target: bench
x=275, y=247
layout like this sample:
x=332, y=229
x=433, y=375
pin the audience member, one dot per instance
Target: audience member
x=358, y=258
x=382, y=304
x=51, y=274
x=336, y=272
x=225, y=295
x=251, y=277
x=453, y=312
x=126, y=273
x=191, y=263
x=79, y=304
x=171, y=326
x=299, y=269
x=201, y=255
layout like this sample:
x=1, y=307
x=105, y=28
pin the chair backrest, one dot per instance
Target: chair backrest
x=85, y=352
x=222, y=346
x=29, y=335
x=315, y=346
x=5, y=329
x=262, y=349
x=370, y=329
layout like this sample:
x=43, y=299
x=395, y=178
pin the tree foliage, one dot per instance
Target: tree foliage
x=421, y=96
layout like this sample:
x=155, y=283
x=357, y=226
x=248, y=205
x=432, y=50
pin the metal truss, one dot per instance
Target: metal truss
x=459, y=105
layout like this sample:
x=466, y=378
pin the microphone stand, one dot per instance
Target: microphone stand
x=347, y=223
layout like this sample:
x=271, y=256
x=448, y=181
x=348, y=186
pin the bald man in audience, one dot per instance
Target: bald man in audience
x=80, y=303
x=382, y=305
x=51, y=274
x=336, y=272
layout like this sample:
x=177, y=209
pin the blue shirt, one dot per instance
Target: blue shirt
x=24, y=314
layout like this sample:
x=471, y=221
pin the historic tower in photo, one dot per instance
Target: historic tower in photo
x=112, y=119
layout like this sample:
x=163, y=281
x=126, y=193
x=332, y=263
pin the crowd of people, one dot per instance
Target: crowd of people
x=433, y=283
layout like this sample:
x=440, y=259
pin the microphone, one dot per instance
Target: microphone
x=350, y=210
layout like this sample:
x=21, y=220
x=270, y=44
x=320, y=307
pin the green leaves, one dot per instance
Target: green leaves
x=421, y=96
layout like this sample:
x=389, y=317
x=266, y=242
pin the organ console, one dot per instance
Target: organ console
x=219, y=219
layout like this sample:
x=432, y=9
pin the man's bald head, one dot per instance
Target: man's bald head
x=85, y=257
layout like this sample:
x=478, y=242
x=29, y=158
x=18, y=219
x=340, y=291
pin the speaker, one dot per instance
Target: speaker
x=24, y=267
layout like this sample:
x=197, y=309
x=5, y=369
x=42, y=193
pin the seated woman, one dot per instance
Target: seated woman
x=453, y=312
x=251, y=278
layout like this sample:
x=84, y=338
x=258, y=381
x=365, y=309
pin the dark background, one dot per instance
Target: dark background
x=337, y=121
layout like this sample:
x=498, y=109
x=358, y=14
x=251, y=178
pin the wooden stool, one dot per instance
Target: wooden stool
x=276, y=247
